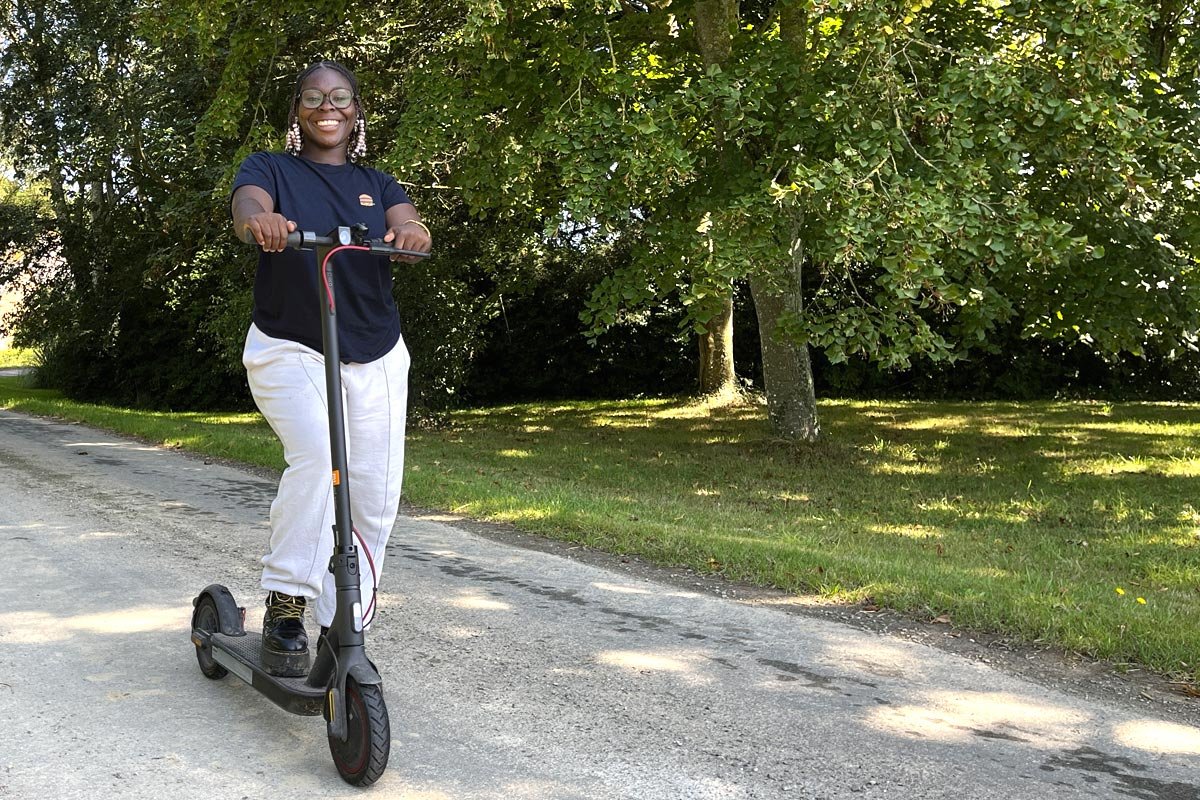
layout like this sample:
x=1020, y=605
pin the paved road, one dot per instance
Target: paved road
x=511, y=673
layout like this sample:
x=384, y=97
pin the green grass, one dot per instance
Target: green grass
x=16, y=357
x=1045, y=522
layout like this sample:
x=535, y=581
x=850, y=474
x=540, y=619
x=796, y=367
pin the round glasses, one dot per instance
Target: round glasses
x=315, y=98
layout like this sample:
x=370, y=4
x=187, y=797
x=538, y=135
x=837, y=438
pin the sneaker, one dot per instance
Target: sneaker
x=284, y=642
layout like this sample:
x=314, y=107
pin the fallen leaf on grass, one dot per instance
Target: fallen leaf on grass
x=943, y=619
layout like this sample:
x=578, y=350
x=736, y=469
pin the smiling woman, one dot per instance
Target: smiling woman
x=319, y=184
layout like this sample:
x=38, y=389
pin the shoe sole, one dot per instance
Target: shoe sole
x=284, y=664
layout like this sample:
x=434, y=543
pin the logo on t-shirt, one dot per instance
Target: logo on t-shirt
x=366, y=200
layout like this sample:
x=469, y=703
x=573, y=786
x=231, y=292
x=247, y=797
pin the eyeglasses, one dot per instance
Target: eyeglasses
x=315, y=98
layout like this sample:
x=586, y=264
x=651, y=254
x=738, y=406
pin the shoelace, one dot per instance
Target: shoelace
x=285, y=606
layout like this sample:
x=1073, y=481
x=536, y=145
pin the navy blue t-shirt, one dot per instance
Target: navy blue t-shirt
x=319, y=198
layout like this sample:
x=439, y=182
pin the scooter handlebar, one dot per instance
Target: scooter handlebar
x=307, y=240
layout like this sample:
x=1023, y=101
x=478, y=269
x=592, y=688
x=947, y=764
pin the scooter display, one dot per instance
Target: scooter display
x=343, y=685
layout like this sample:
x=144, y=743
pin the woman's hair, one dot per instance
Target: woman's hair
x=356, y=147
x=333, y=65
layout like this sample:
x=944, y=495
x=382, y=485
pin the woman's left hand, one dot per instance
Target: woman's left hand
x=408, y=236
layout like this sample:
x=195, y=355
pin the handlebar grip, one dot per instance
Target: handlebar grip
x=294, y=239
x=381, y=248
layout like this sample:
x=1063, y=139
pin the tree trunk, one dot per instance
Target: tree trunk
x=715, y=21
x=1163, y=34
x=716, y=351
x=787, y=369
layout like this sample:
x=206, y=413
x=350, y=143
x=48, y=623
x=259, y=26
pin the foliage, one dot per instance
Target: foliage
x=116, y=303
x=1016, y=368
x=537, y=348
x=946, y=174
x=940, y=168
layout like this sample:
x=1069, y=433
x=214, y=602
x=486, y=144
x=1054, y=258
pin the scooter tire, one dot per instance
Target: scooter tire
x=206, y=618
x=363, y=757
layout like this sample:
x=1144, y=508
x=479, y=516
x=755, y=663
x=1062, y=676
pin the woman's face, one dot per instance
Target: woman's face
x=326, y=129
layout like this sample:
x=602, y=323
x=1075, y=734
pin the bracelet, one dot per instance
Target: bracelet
x=421, y=225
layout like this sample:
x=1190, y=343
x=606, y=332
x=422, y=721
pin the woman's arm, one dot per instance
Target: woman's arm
x=406, y=231
x=254, y=210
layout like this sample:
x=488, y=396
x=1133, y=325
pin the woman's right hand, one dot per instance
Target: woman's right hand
x=270, y=230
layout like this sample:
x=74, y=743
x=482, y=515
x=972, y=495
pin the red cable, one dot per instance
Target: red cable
x=374, y=577
x=324, y=275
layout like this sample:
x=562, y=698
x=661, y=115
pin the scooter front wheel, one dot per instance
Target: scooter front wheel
x=362, y=758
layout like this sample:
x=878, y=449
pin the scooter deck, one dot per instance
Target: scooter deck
x=240, y=655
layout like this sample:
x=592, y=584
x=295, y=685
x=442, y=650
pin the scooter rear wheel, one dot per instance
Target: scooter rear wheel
x=206, y=618
x=362, y=758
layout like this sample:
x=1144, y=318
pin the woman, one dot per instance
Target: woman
x=316, y=185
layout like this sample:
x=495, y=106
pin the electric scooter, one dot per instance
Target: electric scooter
x=343, y=685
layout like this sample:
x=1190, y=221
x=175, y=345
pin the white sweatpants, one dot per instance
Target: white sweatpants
x=287, y=380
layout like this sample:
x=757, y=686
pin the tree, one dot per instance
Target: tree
x=894, y=180
x=113, y=107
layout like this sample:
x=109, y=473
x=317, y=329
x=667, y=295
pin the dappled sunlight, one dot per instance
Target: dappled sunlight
x=894, y=468
x=631, y=659
x=29, y=526
x=105, y=535
x=1180, y=468
x=509, y=509
x=612, y=587
x=1170, y=429
x=987, y=573
x=908, y=531
x=619, y=589
x=1138, y=465
x=40, y=627
x=795, y=600
x=1015, y=430
x=512, y=453
x=516, y=515
x=935, y=423
x=789, y=497
x=621, y=422
x=447, y=518
x=712, y=412
x=475, y=601
x=248, y=418
x=1156, y=736
x=726, y=439
x=117, y=445
x=644, y=663
x=962, y=716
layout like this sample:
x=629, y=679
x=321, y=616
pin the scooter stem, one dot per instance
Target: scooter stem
x=344, y=563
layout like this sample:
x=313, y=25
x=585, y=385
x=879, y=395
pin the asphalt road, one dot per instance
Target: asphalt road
x=510, y=672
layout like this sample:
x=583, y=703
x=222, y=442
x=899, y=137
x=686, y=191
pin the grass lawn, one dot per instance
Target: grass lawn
x=16, y=357
x=1073, y=524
